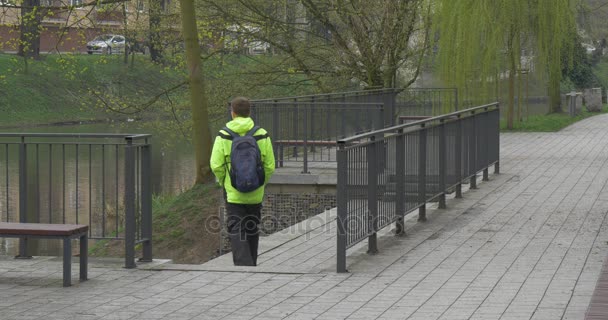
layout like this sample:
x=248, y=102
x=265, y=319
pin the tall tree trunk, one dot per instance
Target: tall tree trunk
x=375, y=78
x=554, y=92
x=154, y=38
x=29, y=44
x=512, y=75
x=198, y=97
x=130, y=41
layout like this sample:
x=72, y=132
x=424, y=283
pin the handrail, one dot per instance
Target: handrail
x=417, y=123
x=67, y=155
x=386, y=174
x=312, y=103
x=337, y=94
x=76, y=135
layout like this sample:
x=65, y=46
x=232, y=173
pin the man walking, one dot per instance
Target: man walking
x=243, y=161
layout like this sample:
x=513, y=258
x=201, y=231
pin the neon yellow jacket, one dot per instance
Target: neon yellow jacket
x=220, y=161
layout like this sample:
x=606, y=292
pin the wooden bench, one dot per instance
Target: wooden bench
x=67, y=232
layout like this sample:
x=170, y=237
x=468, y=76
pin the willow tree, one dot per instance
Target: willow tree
x=481, y=42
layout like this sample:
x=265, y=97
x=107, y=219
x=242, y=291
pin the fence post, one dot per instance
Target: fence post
x=496, y=123
x=306, y=111
x=400, y=187
x=129, y=204
x=275, y=134
x=296, y=121
x=342, y=202
x=422, y=173
x=443, y=162
x=311, y=121
x=22, y=196
x=473, y=152
x=456, y=96
x=485, y=125
x=393, y=106
x=146, y=202
x=372, y=193
x=458, y=157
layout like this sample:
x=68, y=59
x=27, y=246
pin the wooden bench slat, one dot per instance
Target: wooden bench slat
x=40, y=229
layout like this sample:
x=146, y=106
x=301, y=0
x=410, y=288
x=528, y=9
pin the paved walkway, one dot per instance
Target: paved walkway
x=529, y=244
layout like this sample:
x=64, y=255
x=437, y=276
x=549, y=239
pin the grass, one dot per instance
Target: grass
x=60, y=88
x=549, y=123
x=185, y=227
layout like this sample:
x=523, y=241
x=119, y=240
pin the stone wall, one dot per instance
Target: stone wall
x=282, y=210
x=593, y=99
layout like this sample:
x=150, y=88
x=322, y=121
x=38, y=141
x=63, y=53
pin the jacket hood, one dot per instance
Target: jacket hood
x=240, y=125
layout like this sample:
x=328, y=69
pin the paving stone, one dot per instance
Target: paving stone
x=528, y=244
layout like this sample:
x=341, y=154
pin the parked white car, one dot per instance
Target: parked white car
x=107, y=44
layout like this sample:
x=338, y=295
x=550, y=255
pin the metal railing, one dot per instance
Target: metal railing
x=307, y=132
x=385, y=97
x=102, y=180
x=426, y=101
x=386, y=174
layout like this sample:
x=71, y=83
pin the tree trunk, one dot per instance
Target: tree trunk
x=29, y=44
x=375, y=78
x=553, y=92
x=128, y=43
x=154, y=38
x=198, y=97
x=512, y=75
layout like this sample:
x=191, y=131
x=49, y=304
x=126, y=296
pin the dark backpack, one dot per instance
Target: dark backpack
x=246, y=168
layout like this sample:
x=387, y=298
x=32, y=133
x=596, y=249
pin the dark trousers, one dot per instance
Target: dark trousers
x=243, y=221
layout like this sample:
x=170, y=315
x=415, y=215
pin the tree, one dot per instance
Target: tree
x=154, y=38
x=31, y=16
x=368, y=41
x=200, y=125
x=32, y=13
x=482, y=42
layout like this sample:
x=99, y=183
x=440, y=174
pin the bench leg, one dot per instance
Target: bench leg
x=23, y=249
x=67, y=262
x=83, y=257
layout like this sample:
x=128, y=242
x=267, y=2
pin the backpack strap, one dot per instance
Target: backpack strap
x=231, y=134
x=258, y=137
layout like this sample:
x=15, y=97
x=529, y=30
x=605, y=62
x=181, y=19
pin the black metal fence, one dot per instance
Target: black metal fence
x=426, y=101
x=101, y=180
x=385, y=97
x=305, y=128
x=307, y=132
x=386, y=174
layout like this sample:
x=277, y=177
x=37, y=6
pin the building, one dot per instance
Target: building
x=67, y=26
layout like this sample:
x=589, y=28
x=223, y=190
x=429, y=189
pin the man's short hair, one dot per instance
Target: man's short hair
x=241, y=106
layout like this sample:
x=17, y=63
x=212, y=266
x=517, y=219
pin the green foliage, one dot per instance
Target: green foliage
x=185, y=227
x=592, y=18
x=601, y=73
x=75, y=87
x=481, y=42
x=550, y=122
x=579, y=72
x=186, y=221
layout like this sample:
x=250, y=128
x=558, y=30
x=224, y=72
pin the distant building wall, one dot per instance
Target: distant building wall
x=53, y=38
